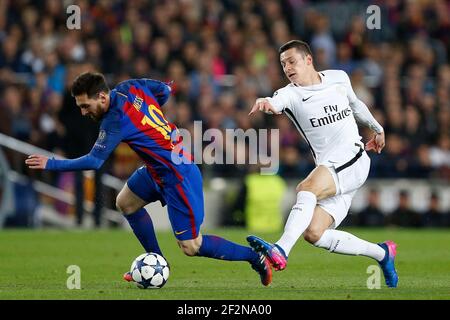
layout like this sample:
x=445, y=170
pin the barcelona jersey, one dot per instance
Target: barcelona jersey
x=135, y=117
x=136, y=111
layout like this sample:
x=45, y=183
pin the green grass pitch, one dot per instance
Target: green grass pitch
x=33, y=265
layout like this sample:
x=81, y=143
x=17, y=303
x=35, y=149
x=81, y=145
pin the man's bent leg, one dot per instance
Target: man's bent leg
x=318, y=185
x=215, y=247
x=132, y=207
x=319, y=234
x=186, y=212
x=345, y=243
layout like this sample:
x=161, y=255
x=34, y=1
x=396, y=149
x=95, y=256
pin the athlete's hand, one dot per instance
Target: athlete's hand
x=263, y=105
x=36, y=161
x=376, y=143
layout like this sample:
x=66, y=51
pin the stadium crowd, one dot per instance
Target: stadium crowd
x=222, y=55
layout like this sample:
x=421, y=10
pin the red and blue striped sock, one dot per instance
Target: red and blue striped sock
x=142, y=226
x=219, y=248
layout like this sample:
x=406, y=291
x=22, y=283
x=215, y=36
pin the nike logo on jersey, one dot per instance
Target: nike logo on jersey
x=306, y=98
x=180, y=232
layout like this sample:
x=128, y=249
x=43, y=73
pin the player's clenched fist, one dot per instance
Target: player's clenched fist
x=263, y=105
x=376, y=143
x=36, y=161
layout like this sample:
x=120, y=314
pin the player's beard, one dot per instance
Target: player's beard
x=98, y=114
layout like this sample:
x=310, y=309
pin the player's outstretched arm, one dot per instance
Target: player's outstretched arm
x=87, y=162
x=376, y=143
x=108, y=139
x=262, y=104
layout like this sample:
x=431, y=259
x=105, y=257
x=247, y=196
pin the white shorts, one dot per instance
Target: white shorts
x=347, y=182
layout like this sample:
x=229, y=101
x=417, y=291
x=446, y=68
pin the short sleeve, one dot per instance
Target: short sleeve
x=280, y=99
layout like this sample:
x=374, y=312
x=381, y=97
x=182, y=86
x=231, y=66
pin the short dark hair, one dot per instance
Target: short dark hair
x=301, y=46
x=404, y=193
x=91, y=83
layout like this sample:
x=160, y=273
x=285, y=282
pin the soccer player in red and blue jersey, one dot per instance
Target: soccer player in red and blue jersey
x=132, y=113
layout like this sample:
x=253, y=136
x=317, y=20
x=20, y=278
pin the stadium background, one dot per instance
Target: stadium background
x=222, y=55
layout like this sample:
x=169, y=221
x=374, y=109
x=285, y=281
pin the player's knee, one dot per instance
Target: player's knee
x=313, y=234
x=120, y=205
x=305, y=185
x=124, y=206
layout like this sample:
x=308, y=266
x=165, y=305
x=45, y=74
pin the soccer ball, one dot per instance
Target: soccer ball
x=150, y=270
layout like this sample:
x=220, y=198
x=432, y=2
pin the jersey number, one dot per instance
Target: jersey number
x=155, y=122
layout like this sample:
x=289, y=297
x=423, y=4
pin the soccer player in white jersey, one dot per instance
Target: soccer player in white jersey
x=324, y=109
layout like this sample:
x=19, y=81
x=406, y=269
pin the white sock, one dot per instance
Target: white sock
x=299, y=219
x=346, y=243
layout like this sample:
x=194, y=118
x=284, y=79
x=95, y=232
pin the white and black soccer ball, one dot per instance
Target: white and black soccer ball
x=150, y=270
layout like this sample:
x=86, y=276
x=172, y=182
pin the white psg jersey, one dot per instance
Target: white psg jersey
x=325, y=115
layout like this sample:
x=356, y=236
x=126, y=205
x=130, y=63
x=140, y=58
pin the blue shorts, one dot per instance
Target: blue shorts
x=184, y=200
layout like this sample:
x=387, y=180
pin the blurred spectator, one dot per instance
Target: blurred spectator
x=256, y=209
x=392, y=162
x=10, y=56
x=404, y=216
x=344, y=59
x=371, y=64
x=440, y=153
x=434, y=216
x=56, y=72
x=293, y=163
x=12, y=104
x=356, y=37
x=79, y=137
x=323, y=43
x=371, y=216
x=420, y=164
